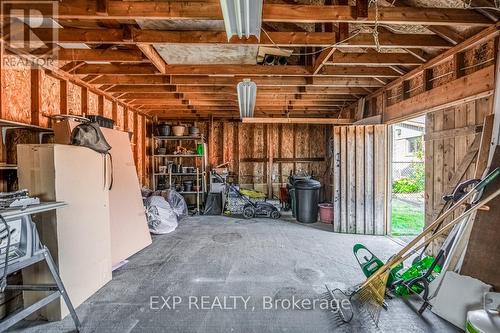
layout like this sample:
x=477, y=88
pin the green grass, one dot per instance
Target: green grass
x=406, y=218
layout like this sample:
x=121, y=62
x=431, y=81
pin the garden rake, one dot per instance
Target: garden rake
x=369, y=297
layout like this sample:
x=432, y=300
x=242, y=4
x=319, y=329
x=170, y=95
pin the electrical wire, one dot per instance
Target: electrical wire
x=356, y=32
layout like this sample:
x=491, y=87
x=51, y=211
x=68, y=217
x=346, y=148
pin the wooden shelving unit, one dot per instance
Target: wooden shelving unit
x=197, y=161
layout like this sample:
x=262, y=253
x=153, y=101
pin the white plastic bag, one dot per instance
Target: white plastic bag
x=162, y=219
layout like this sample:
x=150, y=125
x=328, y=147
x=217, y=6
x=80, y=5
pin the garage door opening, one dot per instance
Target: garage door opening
x=408, y=177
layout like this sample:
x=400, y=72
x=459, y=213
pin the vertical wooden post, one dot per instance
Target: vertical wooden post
x=100, y=105
x=85, y=101
x=2, y=69
x=362, y=9
x=114, y=113
x=270, y=131
x=101, y=7
x=144, y=151
x=136, y=131
x=63, y=96
x=459, y=59
x=427, y=78
x=125, y=119
x=294, y=148
x=36, y=96
x=211, y=152
x=406, y=89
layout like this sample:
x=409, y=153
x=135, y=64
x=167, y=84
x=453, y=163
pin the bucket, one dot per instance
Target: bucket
x=163, y=130
x=326, y=213
x=178, y=130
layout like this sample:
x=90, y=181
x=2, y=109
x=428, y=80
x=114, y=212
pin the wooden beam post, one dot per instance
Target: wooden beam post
x=362, y=9
x=211, y=141
x=114, y=112
x=144, y=150
x=427, y=78
x=63, y=96
x=270, y=131
x=84, y=101
x=406, y=89
x=2, y=69
x=100, y=105
x=36, y=96
x=459, y=60
x=136, y=140
x=102, y=7
x=125, y=119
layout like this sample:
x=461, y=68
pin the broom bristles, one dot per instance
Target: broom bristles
x=370, y=297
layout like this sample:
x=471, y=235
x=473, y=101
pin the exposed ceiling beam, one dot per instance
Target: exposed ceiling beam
x=331, y=121
x=160, y=10
x=189, y=80
x=99, y=55
x=241, y=70
x=153, y=56
x=373, y=59
x=294, y=38
x=445, y=32
x=321, y=59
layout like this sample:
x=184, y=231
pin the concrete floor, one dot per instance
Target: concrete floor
x=259, y=259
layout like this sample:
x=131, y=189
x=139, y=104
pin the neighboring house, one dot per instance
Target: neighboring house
x=408, y=140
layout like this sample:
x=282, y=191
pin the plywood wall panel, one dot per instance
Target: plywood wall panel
x=93, y=103
x=108, y=108
x=130, y=117
x=50, y=92
x=119, y=118
x=16, y=98
x=74, y=99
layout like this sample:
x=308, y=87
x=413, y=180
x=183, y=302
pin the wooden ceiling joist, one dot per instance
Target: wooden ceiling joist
x=373, y=59
x=290, y=39
x=99, y=55
x=240, y=70
x=160, y=10
x=153, y=56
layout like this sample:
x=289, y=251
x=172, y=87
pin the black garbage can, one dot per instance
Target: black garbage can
x=292, y=179
x=307, y=200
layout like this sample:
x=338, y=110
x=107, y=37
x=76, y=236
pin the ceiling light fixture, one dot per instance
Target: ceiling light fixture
x=247, y=94
x=242, y=17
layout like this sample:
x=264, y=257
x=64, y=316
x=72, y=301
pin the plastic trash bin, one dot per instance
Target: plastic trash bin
x=307, y=200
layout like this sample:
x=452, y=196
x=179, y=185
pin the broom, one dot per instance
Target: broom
x=370, y=294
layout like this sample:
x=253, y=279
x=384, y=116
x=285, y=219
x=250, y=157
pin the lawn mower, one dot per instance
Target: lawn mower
x=423, y=270
x=251, y=208
x=391, y=278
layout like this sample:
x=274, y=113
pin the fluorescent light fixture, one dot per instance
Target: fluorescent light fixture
x=247, y=94
x=242, y=17
x=79, y=46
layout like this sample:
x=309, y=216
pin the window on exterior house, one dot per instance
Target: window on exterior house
x=414, y=144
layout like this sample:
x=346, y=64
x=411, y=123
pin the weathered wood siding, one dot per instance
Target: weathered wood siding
x=359, y=179
x=262, y=155
x=445, y=155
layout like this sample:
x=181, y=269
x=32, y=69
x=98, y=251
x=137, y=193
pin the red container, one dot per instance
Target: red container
x=326, y=213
